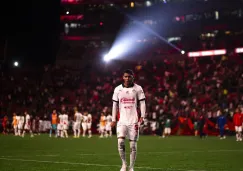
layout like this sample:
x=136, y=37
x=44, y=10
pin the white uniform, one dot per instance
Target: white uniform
x=60, y=124
x=17, y=118
x=108, y=123
x=89, y=123
x=85, y=122
x=128, y=99
x=77, y=123
x=27, y=122
x=65, y=121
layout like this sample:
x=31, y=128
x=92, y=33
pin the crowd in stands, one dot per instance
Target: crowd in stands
x=189, y=87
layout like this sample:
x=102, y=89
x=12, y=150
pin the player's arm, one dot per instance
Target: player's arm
x=142, y=105
x=114, y=107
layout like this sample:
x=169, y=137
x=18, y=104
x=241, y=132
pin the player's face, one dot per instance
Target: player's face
x=54, y=111
x=128, y=79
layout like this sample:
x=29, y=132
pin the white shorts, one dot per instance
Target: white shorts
x=102, y=128
x=15, y=126
x=129, y=131
x=108, y=127
x=76, y=125
x=89, y=125
x=59, y=127
x=20, y=126
x=27, y=127
x=84, y=126
x=65, y=126
x=238, y=128
x=167, y=130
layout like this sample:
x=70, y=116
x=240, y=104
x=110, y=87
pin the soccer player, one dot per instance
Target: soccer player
x=108, y=126
x=20, y=124
x=77, y=123
x=237, y=119
x=53, y=122
x=102, y=124
x=221, y=123
x=60, y=126
x=89, y=125
x=167, y=129
x=15, y=124
x=201, y=126
x=27, y=125
x=65, y=125
x=4, y=124
x=126, y=98
x=85, y=123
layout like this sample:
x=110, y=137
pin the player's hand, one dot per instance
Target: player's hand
x=141, y=120
x=113, y=124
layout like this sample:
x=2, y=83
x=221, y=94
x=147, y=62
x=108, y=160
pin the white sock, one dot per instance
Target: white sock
x=62, y=133
x=110, y=133
x=90, y=133
x=19, y=132
x=79, y=132
x=15, y=131
x=74, y=133
x=84, y=132
x=23, y=133
x=121, y=149
x=65, y=133
x=133, y=153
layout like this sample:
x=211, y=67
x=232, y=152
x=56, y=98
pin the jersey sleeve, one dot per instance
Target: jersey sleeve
x=141, y=95
x=115, y=96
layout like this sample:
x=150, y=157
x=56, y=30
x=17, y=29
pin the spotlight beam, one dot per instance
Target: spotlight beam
x=147, y=28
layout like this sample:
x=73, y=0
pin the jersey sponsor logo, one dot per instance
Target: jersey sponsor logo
x=127, y=100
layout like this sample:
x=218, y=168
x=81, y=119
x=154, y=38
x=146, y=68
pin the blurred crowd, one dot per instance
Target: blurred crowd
x=189, y=87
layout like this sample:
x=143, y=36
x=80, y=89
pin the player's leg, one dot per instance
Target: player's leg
x=15, y=130
x=236, y=133
x=65, y=128
x=89, y=130
x=169, y=131
x=240, y=133
x=75, y=130
x=51, y=130
x=121, y=134
x=78, y=129
x=133, y=134
x=102, y=131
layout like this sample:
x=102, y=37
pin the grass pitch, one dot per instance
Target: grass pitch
x=42, y=153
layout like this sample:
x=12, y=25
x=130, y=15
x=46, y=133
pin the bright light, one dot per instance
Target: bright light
x=148, y=3
x=239, y=50
x=67, y=12
x=132, y=4
x=16, y=63
x=207, y=53
x=216, y=15
x=182, y=52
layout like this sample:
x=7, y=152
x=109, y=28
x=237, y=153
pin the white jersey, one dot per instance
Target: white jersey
x=89, y=118
x=27, y=119
x=108, y=119
x=128, y=99
x=85, y=118
x=78, y=117
x=65, y=119
x=61, y=121
x=18, y=118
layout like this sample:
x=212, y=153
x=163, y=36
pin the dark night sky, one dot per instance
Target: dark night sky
x=32, y=30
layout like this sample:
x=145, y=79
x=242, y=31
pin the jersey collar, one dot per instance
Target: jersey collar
x=128, y=86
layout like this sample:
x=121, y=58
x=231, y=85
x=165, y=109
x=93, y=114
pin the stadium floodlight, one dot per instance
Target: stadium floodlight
x=182, y=52
x=239, y=50
x=16, y=64
x=67, y=12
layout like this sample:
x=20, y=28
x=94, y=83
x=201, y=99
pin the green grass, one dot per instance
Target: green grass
x=42, y=153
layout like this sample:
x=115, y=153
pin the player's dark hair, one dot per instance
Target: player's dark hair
x=128, y=71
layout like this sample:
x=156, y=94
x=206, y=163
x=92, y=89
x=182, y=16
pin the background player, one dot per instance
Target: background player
x=53, y=122
x=237, y=119
x=65, y=125
x=89, y=125
x=15, y=124
x=60, y=125
x=102, y=124
x=27, y=125
x=77, y=123
x=221, y=123
x=108, y=126
x=167, y=129
x=128, y=96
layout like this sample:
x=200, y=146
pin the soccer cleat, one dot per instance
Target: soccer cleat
x=123, y=168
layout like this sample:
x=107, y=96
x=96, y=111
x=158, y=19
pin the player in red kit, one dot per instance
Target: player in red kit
x=238, y=119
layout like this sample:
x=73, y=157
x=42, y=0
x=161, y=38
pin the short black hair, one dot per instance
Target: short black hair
x=128, y=71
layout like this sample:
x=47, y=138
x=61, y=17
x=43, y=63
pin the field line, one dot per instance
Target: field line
x=93, y=164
